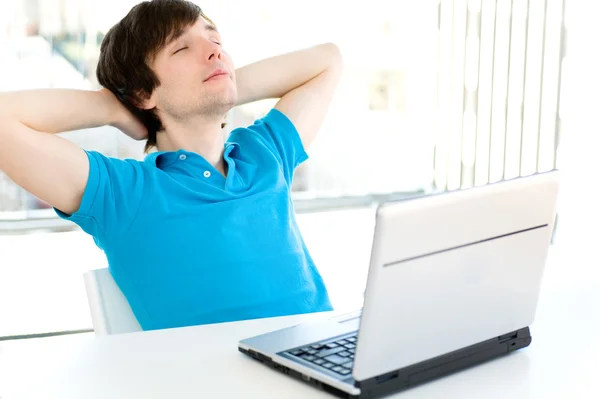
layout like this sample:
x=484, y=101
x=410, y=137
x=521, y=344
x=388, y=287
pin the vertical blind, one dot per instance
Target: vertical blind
x=499, y=76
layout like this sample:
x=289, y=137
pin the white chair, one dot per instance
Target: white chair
x=111, y=313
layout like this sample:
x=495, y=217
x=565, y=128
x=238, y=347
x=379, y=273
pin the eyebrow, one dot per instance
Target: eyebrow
x=207, y=26
x=211, y=28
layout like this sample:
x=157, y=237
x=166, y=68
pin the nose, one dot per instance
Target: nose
x=215, y=52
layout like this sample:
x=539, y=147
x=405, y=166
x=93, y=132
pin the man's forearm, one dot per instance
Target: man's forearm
x=58, y=110
x=273, y=77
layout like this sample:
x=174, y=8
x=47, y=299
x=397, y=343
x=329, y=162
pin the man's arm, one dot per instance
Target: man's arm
x=304, y=80
x=49, y=166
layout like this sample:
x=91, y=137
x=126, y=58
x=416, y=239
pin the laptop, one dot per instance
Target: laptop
x=453, y=281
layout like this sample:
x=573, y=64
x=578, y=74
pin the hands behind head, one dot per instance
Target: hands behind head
x=123, y=119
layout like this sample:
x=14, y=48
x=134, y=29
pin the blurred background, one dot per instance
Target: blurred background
x=436, y=95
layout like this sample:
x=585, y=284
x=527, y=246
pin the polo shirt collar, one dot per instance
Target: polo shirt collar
x=163, y=159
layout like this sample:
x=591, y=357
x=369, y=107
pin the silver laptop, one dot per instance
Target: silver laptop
x=454, y=280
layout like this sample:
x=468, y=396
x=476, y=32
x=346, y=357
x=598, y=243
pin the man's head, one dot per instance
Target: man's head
x=157, y=60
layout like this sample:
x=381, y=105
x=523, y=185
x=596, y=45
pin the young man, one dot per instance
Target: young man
x=201, y=231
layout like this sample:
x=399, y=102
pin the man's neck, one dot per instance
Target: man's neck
x=199, y=136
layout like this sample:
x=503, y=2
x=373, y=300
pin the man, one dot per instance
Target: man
x=201, y=231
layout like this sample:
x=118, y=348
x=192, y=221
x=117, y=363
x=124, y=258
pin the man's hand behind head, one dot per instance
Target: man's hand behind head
x=124, y=120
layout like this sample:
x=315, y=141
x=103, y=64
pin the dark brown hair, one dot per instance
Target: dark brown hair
x=130, y=45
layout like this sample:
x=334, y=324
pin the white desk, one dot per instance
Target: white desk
x=563, y=361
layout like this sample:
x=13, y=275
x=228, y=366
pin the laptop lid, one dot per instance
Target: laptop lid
x=454, y=269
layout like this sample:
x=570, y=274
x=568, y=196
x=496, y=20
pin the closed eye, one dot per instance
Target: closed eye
x=183, y=48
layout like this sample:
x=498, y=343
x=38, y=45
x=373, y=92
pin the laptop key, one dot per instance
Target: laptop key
x=317, y=346
x=331, y=345
x=330, y=351
x=297, y=352
x=344, y=371
x=341, y=342
x=319, y=361
x=328, y=365
x=337, y=369
x=350, y=346
x=336, y=359
x=311, y=351
x=310, y=358
x=351, y=339
x=348, y=365
x=351, y=350
x=344, y=353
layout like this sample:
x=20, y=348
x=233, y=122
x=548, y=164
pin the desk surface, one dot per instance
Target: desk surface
x=563, y=361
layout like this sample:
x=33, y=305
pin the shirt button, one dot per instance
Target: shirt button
x=182, y=157
x=207, y=174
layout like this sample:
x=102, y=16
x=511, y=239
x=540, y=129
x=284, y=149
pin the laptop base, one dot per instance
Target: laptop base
x=419, y=373
x=443, y=365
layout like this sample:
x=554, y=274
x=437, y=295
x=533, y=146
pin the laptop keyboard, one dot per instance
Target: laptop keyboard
x=336, y=355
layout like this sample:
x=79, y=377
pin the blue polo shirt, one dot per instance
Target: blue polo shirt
x=188, y=246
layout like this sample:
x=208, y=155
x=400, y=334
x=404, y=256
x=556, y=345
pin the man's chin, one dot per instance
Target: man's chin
x=229, y=100
x=219, y=108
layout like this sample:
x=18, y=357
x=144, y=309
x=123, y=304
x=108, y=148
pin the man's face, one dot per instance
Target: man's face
x=184, y=68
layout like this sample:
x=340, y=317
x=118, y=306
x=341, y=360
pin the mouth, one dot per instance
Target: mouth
x=220, y=73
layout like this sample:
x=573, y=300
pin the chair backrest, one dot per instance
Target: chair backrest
x=111, y=313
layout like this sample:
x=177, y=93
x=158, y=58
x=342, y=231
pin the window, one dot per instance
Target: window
x=56, y=43
x=429, y=99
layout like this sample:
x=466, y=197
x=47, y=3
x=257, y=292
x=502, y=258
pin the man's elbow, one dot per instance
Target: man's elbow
x=335, y=56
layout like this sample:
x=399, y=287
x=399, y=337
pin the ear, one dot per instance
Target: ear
x=148, y=102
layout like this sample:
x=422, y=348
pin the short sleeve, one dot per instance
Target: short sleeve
x=111, y=198
x=282, y=138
